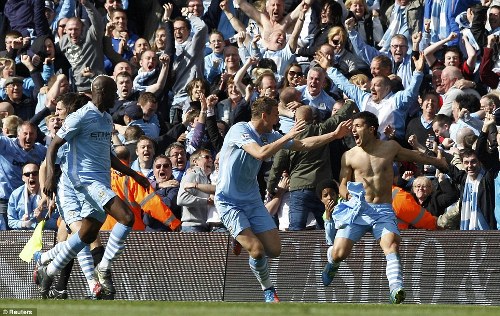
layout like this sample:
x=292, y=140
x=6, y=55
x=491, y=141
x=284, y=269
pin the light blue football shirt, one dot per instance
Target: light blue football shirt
x=237, y=181
x=12, y=159
x=88, y=133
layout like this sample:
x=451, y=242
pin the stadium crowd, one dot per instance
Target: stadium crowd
x=188, y=70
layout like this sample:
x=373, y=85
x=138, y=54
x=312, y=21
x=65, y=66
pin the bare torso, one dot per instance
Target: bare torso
x=269, y=26
x=373, y=168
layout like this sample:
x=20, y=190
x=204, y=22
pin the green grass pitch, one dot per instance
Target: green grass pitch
x=152, y=308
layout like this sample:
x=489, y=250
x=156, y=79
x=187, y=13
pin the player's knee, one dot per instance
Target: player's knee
x=128, y=218
x=89, y=235
x=274, y=253
x=256, y=250
x=339, y=253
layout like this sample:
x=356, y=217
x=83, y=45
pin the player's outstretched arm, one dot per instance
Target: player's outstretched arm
x=267, y=151
x=120, y=167
x=313, y=142
x=404, y=154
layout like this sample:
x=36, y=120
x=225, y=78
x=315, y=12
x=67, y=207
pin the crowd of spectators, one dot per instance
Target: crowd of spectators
x=187, y=70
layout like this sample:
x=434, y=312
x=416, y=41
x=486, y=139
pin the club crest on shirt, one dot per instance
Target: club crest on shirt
x=245, y=136
x=264, y=139
x=322, y=106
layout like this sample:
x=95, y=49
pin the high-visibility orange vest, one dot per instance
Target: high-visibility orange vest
x=409, y=212
x=140, y=200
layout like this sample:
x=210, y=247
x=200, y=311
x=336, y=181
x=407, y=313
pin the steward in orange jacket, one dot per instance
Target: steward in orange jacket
x=140, y=200
x=409, y=212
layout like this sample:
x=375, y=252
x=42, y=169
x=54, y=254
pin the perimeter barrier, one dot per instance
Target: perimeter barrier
x=440, y=267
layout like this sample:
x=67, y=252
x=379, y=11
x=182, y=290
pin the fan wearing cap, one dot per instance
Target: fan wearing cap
x=24, y=106
x=25, y=209
x=57, y=14
x=131, y=113
x=50, y=11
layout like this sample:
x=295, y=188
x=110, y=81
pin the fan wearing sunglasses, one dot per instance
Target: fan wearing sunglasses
x=25, y=209
x=343, y=59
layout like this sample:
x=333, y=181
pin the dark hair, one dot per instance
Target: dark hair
x=146, y=97
x=267, y=63
x=192, y=83
x=183, y=19
x=287, y=69
x=369, y=118
x=117, y=10
x=324, y=184
x=72, y=101
x=442, y=119
x=427, y=92
x=335, y=12
x=469, y=102
x=263, y=105
x=454, y=49
x=467, y=152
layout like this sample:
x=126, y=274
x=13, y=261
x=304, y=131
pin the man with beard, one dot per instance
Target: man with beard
x=366, y=178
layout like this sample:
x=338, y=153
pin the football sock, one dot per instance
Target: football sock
x=69, y=251
x=115, y=245
x=86, y=263
x=52, y=253
x=393, y=271
x=260, y=269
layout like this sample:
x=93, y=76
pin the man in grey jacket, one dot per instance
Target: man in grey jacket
x=83, y=47
x=196, y=193
x=188, y=59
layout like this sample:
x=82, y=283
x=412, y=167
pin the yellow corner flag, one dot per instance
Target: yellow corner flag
x=34, y=244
